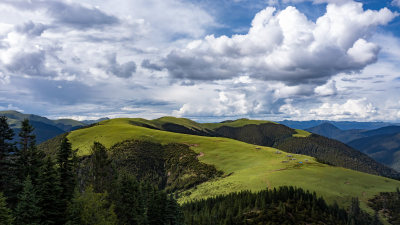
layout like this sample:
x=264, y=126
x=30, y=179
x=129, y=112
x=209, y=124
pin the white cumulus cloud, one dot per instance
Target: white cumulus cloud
x=286, y=46
x=352, y=108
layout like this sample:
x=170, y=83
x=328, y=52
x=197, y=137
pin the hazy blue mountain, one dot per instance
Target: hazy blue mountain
x=384, y=148
x=343, y=125
x=382, y=131
x=382, y=144
x=44, y=128
x=331, y=131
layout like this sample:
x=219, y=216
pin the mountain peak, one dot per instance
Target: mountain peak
x=327, y=125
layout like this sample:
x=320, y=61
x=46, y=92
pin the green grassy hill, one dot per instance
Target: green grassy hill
x=245, y=166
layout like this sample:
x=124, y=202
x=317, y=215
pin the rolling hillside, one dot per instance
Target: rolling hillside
x=271, y=134
x=245, y=166
x=382, y=144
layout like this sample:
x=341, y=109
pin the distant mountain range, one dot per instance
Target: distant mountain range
x=343, y=125
x=382, y=144
x=44, y=128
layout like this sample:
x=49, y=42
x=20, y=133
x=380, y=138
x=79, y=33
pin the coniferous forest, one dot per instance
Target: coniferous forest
x=129, y=185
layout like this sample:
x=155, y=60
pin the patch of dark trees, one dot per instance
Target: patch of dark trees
x=286, y=205
x=388, y=204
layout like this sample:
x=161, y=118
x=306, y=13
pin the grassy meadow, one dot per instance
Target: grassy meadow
x=245, y=166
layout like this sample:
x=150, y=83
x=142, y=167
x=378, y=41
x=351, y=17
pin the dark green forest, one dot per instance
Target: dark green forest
x=137, y=182
x=286, y=205
x=388, y=203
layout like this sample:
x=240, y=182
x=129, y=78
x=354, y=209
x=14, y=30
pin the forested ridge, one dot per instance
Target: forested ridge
x=335, y=153
x=279, y=136
x=137, y=182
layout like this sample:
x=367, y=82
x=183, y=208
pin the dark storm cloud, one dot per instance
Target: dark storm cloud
x=74, y=15
x=124, y=70
x=151, y=66
x=61, y=92
x=30, y=63
x=32, y=29
x=195, y=67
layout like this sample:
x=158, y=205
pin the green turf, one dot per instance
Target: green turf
x=158, y=123
x=69, y=122
x=235, y=123
x=249, y=167
x=301, y=133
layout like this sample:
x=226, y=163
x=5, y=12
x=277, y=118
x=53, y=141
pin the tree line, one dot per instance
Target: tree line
x=286, y=205
x=37, y=189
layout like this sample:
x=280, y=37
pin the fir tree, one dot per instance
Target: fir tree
x=100, y=167
x=29, y=159
x=27, y=138
x=6, y=147
x=49, y=192
x=173, y=214
x=28, y=210
x=129, y=204
x=91, y=208
x=65, y=161
x=5, y=213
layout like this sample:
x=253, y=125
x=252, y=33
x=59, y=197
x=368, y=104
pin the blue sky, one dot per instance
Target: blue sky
x=202, y=59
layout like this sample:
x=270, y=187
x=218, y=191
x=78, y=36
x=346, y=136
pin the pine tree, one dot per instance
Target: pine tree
x=49, y=192
x=27, y=138
x=156, y=207
x=29, y=158
x=6, y=147
x=91, y=208
x=28, y=210
x=65, y=161
x=129, y=204
x=173, y=214
x=5, y=213
x=100, y=167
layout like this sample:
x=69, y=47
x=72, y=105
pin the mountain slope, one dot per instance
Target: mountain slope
x=173, y=124
x=272, y=134
x=44, y=128
x=246, y=166
x=382, y=131
x=42, y=131
x=384, y=148
x=382, y=144
x=331, y=131
x=343, y=125
x=301, y=142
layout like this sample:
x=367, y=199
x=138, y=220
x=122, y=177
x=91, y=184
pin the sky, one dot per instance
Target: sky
x=201, y=59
